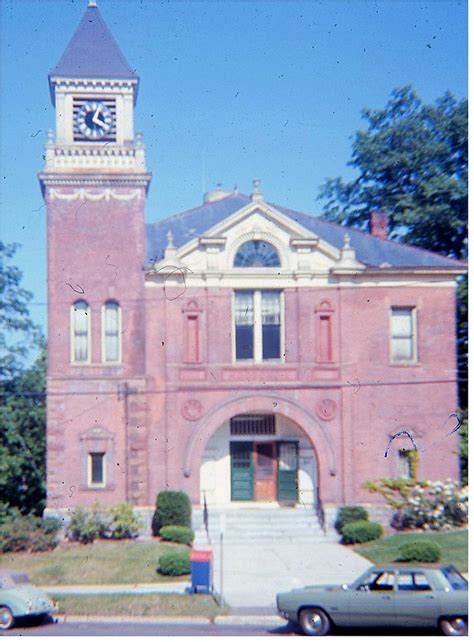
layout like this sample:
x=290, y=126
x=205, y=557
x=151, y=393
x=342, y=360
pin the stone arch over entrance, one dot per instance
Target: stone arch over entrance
x=211, y=422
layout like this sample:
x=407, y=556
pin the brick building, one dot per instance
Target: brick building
x=240, y=351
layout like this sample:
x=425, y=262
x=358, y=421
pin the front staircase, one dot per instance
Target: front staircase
x=261, y=525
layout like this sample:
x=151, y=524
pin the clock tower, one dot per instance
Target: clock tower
x=94, y=184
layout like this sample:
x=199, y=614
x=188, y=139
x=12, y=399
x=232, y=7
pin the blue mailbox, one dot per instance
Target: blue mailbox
x=201, y=571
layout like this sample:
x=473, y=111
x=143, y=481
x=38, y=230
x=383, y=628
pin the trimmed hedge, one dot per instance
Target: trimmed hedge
x=348, y=514
x=175, y=563
x=173, y=508
x=179, y=534
x=360, y=532
x=420, y=551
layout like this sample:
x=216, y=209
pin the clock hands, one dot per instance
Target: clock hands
x=96, y=118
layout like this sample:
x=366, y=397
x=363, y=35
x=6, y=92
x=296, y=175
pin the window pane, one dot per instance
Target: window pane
x=271, y=308
x=111, y=317
x=244, y=341
x=271, y=342
x=402, y=322
x=256, y=254
x=111, y=332
x=81, y=331
x=80, y=348
x=402, y=349
x=97, y=468
x=244, y=308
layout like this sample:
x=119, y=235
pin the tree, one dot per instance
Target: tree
x=411, y=162
x=22, y=390
x=23, y=439
x=18, y=333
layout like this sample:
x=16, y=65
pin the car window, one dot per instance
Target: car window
x=420, y=582
x=379, y=581
x=456, y=580
x=413, y=582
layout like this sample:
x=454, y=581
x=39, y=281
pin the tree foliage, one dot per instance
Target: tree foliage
x=22, y=389
x=18, y=334
x=23, y=439
x=411, y=162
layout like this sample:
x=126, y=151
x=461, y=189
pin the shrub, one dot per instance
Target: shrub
x=175, y=563
x=360, y=532
x=42, y=541
x=24, y=533
x=51, y=525
x=123, y=523
x=179, y=534
x=424, y=504
x=84, y=527
x=173, y=508
x=420, y=551
x=348, y=514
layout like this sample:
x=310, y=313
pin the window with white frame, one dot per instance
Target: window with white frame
x=258, y=325
x=403, y=335
x=80, y=331
x=96, y=469
x=111, y=333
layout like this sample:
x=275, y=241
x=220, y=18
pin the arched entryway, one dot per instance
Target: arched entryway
x=265, y=450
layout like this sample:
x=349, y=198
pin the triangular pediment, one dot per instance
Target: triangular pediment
x=215, y=248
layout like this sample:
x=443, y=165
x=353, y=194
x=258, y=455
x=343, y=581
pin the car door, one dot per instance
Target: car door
x=370, y=603
x=416, y=603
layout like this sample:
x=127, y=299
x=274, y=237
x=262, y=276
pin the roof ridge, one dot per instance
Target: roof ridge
x=199, y=207
x=369, y=235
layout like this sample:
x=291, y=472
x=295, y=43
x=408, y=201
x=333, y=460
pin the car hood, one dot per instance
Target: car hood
x=316, y=587
x=29, y=593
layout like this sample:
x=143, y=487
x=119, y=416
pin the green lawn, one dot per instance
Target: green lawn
x=453, y=545
x=139, y=605
x=98, y=563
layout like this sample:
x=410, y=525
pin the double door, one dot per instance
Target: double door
x=264, y=471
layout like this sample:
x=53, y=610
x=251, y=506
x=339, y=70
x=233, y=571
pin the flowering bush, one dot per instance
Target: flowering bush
x=424, y=504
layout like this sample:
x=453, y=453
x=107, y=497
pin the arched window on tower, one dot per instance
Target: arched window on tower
x=257, y=254
x=80, y=332
x=111, y=333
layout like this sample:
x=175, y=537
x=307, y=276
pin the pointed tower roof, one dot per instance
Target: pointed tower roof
x=92, y=52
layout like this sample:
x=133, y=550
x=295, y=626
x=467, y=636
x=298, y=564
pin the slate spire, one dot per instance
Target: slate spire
x=92, y=52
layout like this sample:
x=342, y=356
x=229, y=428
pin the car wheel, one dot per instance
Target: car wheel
x=6, y=618
x=453, y=625
x=314, y=622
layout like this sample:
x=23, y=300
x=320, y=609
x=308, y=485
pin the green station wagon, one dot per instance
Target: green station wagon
x=384, y=596
x=20, y=599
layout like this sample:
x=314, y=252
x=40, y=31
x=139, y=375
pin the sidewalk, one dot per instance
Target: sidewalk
x=118, y=589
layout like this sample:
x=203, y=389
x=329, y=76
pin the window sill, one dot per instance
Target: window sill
x=97, y=488
x=405, y=364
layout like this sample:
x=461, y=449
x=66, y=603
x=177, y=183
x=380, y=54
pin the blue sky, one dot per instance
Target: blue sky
x=229, y=91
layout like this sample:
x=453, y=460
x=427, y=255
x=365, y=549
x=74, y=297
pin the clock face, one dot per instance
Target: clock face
x=94, y=120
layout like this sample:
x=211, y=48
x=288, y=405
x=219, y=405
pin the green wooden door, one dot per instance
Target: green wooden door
x=288, y=472
x=241, y=457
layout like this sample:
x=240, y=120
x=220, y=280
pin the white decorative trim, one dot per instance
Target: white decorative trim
x=82, y=194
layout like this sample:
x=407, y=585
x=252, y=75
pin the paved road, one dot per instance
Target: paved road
x=119, y=628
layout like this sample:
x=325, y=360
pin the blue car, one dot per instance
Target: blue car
x=20, y=599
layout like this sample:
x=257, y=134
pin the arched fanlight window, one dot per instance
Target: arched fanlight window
x=81, y=323
x=257, y=254
x=111, y=332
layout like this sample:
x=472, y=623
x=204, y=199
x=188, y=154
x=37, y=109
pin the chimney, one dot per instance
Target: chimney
x=378, y=224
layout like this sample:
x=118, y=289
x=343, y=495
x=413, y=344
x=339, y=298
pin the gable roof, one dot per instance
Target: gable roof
x=93, y=52
x=370, y=250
